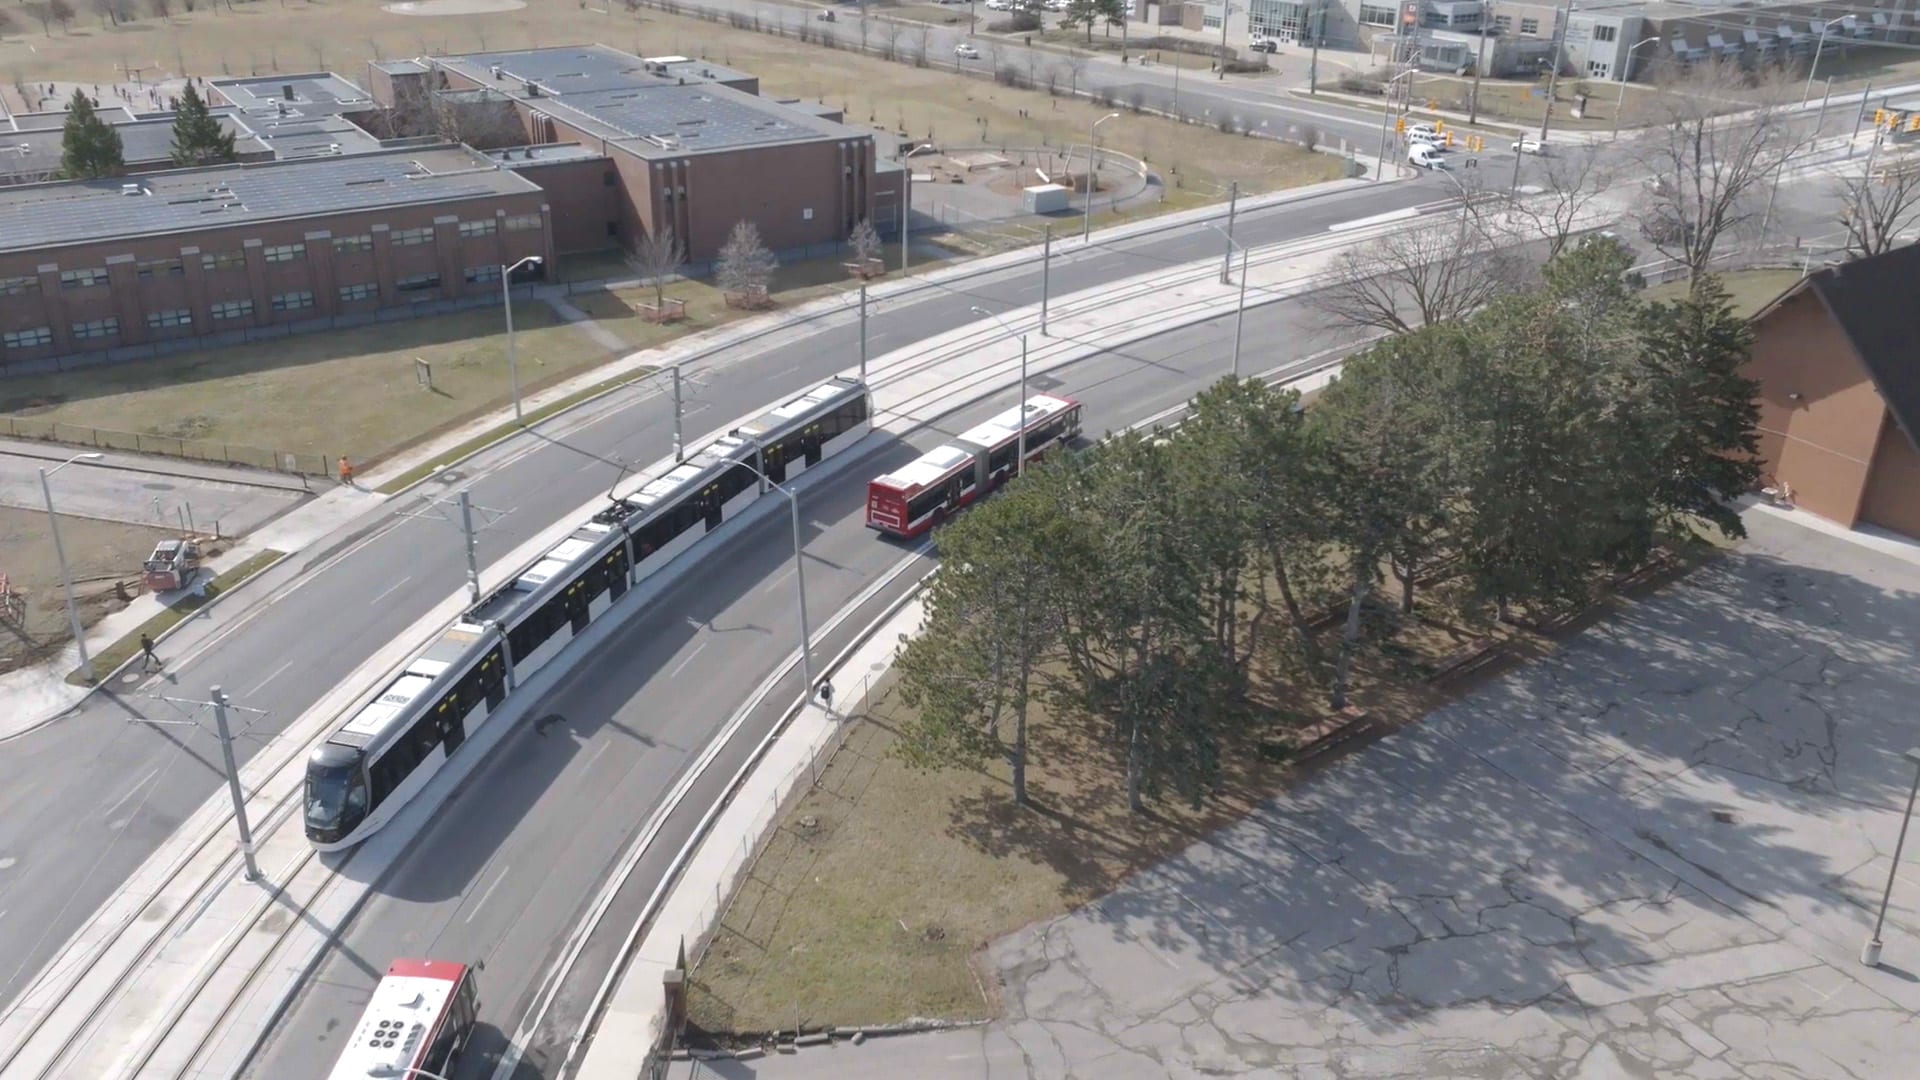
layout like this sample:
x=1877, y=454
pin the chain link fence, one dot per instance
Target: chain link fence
x=297, y=463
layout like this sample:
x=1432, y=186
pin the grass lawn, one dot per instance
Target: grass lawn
x=98, y=553
x=1750, y=289
x=262, y=38
x=876, y=890
x=349, y=392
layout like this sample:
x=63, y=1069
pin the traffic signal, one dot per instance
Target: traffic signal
x=1913, y=122
x=1439, y=125
x=1879, y=118
x=1400, y=125
x=1447, y=136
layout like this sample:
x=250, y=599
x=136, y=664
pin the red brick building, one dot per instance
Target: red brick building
x=1840, y=392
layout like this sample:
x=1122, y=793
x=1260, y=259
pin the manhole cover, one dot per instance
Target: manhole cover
x=449, y=476
x=1724, y=817
x=809, y=823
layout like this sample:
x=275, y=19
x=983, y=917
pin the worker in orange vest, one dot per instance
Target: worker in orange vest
x=346, y=471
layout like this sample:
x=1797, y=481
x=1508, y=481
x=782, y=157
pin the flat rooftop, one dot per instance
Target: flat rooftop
x=72, y=212
x=304, y=137
x=625, y=99
x=319, y=93
x=143, y=143
x=54, y=120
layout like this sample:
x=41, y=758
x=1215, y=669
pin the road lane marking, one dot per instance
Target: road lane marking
x=276, y=674
x=389, y=589
x=675, y=673
x=776, y=582
x=131, y=792
x=497, y=878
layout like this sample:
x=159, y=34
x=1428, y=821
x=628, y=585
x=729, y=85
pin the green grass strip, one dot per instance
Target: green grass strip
x=110, y=658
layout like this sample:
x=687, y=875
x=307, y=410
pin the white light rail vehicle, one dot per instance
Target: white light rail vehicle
x=391, y=744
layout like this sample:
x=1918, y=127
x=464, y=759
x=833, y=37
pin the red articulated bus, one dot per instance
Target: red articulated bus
x=420, y=1018
x=912, y=499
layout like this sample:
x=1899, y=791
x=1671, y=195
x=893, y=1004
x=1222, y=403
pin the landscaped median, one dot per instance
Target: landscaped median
x=109, y=659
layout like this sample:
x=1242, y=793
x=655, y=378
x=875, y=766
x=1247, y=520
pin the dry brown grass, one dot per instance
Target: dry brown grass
x=303, y=35
x=99, y=553
x=349, y=392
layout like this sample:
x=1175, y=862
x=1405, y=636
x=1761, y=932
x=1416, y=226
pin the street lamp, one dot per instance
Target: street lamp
x=1020, y=461
x=1086, y=219
x=1811, y=68
x=60, y=552
x=1870, y=954
x=1386, y=114
x=1240, y=314
x=1620, y=106
x=799, y=576
x=506, y=301
x=1466, y=202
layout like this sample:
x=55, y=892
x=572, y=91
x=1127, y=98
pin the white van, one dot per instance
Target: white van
x=1426, y=156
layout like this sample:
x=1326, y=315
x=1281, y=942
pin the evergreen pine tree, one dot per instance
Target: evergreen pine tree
x=89, y=146
x=198, y=138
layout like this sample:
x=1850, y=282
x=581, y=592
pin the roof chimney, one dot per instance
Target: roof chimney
x=286, y=91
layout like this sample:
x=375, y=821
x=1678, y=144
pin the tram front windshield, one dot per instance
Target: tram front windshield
x=336, y=798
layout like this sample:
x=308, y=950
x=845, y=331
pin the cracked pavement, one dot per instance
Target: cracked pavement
x=1655, y=853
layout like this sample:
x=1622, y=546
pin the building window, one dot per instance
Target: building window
x=365, y=290
x=224, y=260
x=14, y=286
x=523, y=222
x=411, y=237
x=477, y=274
x=1503, y=23
x=417, y=282
x=158, y=268
x=1530, y=27
x=284, y=252
x=231, y=309
x=27, y=339
x=1598, y=69
x=1209, y=21
x=162, y=320
x=1605, y=33
x=293, y=301
x=80, y=279
x=353, y=243
x=96, y=328
x=478, y=228
x=1375, y=15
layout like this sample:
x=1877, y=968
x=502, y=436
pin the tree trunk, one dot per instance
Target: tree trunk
x=1350, y=637
x=1021, y=695
x=1294, y=613
x=1406, y=572
x=1134, y=754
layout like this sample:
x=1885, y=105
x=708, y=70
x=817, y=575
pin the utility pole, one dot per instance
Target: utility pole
x=1479, y=65
x=679, y=445
x=1313, y=64
x=863, y=342
x=1046, y=267
x=1226, y=259
x=473, y=558
x=1226, y=10
x=1553, y=76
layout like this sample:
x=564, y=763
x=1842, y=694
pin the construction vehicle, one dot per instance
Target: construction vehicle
x=172, y=565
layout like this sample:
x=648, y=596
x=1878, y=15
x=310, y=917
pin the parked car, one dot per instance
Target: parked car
x=999, y=5
x=1421, y=129
x=965, y=51
x=1426, y=156
x=1425, y=137
x=1530, y=146
x=1264, y=44
x=827, y=16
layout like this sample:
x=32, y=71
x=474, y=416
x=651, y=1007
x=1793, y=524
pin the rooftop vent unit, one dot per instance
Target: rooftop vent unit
x=132, y=189
x=286, y=91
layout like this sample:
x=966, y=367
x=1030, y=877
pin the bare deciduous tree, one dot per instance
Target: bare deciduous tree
x=1572, y=179
x=1875, y=210
x=658, y=257
x=865, y=242
x=62, y=12
x=746, y=266
x=1076, y=71
x=1704, y=169
x=161, y=8
x=922, y=40
x=1416, y=276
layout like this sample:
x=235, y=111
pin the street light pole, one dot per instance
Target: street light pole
x=1086, y=218
x=1559, y=57
x=1870, y=954
x=1620, y=105
x=1815, y=66
x=1020, y=464
x=1380, y=173
x=60, y=552
x=1240, y=314
x=799, y=576
x=506, y=302
x=1226, y=9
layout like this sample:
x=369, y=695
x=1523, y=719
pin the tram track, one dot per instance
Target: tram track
x=137, y=939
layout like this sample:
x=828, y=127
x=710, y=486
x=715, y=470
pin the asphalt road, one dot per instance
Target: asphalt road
x=85, y=799
x=512, y=861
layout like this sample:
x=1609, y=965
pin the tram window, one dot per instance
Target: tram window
x=425, y=734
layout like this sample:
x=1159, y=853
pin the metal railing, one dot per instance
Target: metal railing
x=294, y=462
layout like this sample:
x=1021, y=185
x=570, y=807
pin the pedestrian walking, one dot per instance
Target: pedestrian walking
x=346, y=471
x=147, y=655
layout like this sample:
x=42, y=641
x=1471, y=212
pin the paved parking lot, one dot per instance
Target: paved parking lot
x=1654, y=854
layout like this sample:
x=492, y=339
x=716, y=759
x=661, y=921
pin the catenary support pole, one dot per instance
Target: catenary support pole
x=233, y=783
x=1240, y=317
x=863, y=331
x=1859, y=117
x=513, y=364
x=473, y=557
x=1226, y=257
x=800, y=584
x=1020, y=462
x=1046, y=268
x=679, y=444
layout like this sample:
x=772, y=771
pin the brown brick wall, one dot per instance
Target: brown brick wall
x=1820, y=415
x=1893, y=489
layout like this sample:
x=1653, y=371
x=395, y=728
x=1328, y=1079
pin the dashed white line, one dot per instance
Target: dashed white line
x=276, y=674
x=389, y=589
x=483, y=896
x=689, y=659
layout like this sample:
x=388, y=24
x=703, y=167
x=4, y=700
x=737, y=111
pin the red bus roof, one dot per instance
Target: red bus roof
x=426, y=969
